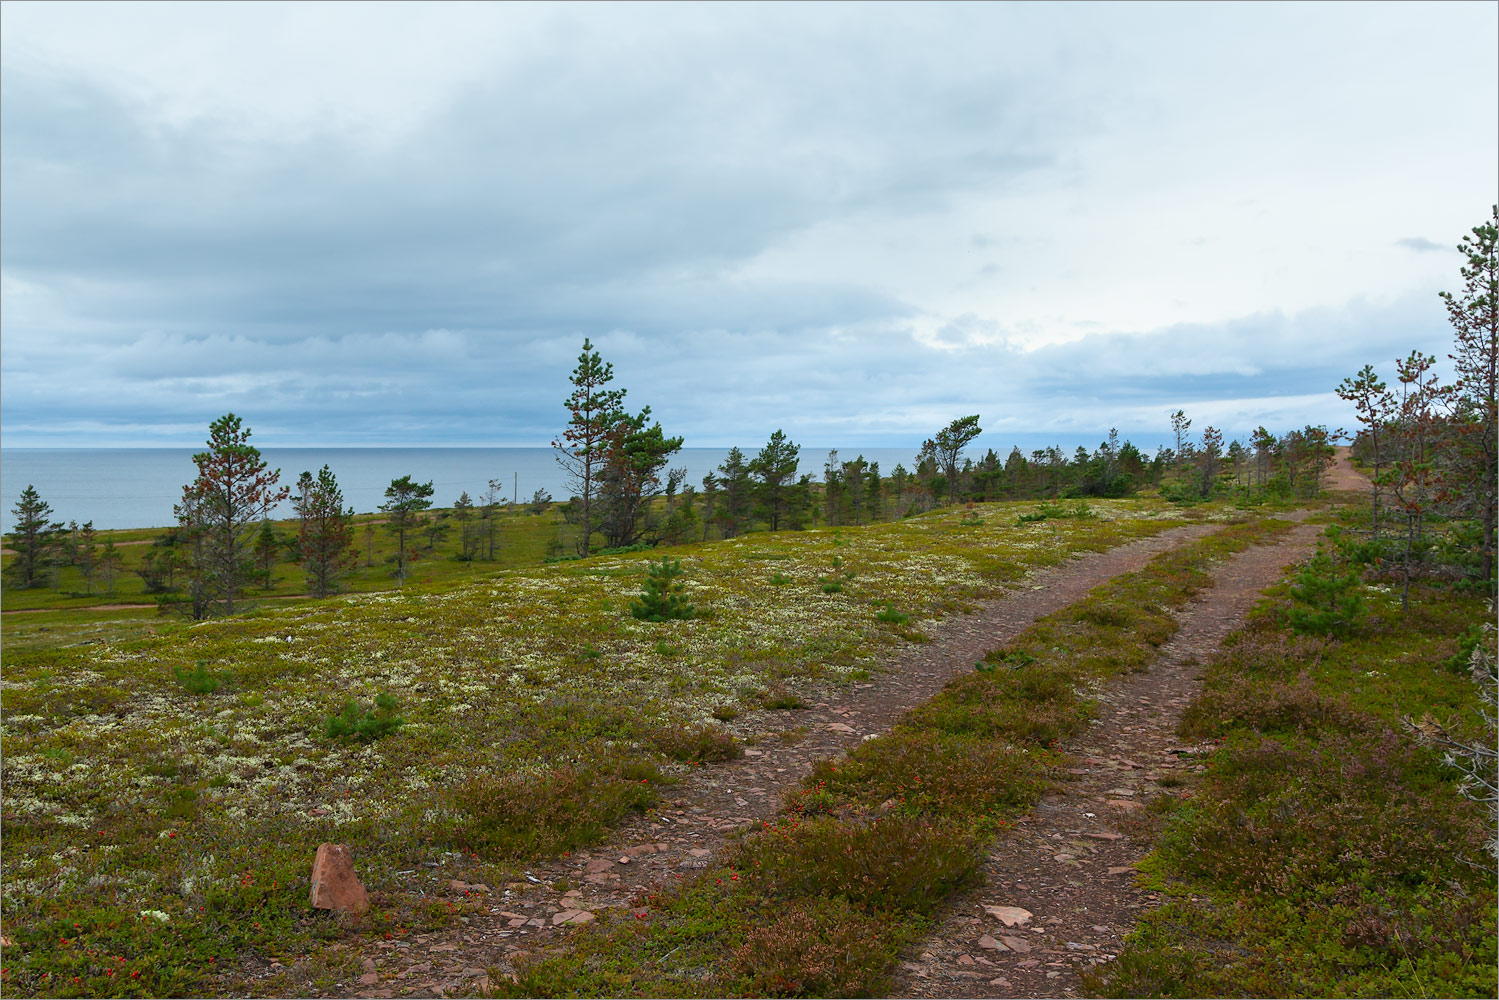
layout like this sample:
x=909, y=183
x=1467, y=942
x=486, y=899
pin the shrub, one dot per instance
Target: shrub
x=1034, y=703
x=894, y=862
x=528, y=815
x=696, y=743
x=199, y=680
x=665, y=595
x=891, y=616
x=364, y=725
x=930, y=773
x=817, y=947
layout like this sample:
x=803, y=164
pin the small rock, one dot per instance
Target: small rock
x=623, y=859
x=965, y=960
x=369, y=979
x=572, y=917
x=1010, y=916
x=1120, y=791
x=1104, y=836
x=754, y=753
x=1120, y=869
x=443, y=947
x=1064, y=858
x=598, y=866
x=1001, y=981
x=840, y=727
x=992, y=945
x=1017, y=944
x=699, y=852
x=369, y=965
x=1100, y=928
x=334, y=884
x=1079, y=946
x=1129, y=763
x=1123, y=804
x=639, y=850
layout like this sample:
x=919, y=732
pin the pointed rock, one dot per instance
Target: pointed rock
x=334, y=884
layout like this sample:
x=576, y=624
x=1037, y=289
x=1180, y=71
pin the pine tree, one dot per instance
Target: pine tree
x=774, y=466
x=326, y=539
x=733, y=511
x=594, y=413
x=950, y=442
x=35, y=540
x=234, y=491
x=1474, y=314
x=404, y=502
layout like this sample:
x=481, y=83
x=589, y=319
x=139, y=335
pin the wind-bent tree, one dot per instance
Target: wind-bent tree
x=404, y=503
x=222, y=508
x=1474, y=313
x=34, y=540
x=775, y=467
x=950, y=442
x=594, y=413
x=326, y=539
x=634, y=457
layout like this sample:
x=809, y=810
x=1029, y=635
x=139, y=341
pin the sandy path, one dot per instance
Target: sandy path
x=1068, y=863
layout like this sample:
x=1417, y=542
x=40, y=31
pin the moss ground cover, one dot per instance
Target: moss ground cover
x=822, y=900
x=1326, y=852
x=127, y=791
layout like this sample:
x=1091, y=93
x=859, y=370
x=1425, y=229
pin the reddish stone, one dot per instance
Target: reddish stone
x=334, y=884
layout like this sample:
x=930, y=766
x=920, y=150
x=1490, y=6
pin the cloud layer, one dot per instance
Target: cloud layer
x=396, y=224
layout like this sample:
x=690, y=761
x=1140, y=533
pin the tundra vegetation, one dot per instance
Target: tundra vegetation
x=158, y=817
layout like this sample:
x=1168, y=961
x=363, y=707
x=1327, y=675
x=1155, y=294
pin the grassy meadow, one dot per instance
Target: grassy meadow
x=165, y=793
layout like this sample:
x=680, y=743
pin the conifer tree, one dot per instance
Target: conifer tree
x=326, y=539
x=950, y=442
x=774, y=466
x=34, y=540
x=233, y=492
x=1474, y=314
x=594, y=413
x=404, y=502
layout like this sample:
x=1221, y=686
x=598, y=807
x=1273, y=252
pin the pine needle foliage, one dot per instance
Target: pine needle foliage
x=665, y=595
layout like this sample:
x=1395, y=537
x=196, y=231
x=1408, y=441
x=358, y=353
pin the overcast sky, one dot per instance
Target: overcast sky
x=388, y=224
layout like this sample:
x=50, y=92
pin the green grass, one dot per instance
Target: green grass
x=125, y=792
x=1326, y=852
x=822, y=900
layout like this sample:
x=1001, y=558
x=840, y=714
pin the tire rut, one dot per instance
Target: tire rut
x=648, y=853
x=1067, y=863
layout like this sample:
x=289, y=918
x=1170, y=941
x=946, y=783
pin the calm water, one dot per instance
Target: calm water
x=136, y=487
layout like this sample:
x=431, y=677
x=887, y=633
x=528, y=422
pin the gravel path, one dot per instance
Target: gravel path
x=1059, y=894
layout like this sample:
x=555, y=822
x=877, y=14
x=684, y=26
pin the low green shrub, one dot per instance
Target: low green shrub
x=364, y=724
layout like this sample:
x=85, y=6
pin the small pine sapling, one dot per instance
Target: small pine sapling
x=364, y=725
x=665, y=595
x=1327, y=598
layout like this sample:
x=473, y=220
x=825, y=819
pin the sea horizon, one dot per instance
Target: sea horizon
x=136, y=487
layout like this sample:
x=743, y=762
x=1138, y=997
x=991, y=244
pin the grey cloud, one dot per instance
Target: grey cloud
x=1420, y=244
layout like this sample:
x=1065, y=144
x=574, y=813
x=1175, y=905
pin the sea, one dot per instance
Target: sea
x=137, y=487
